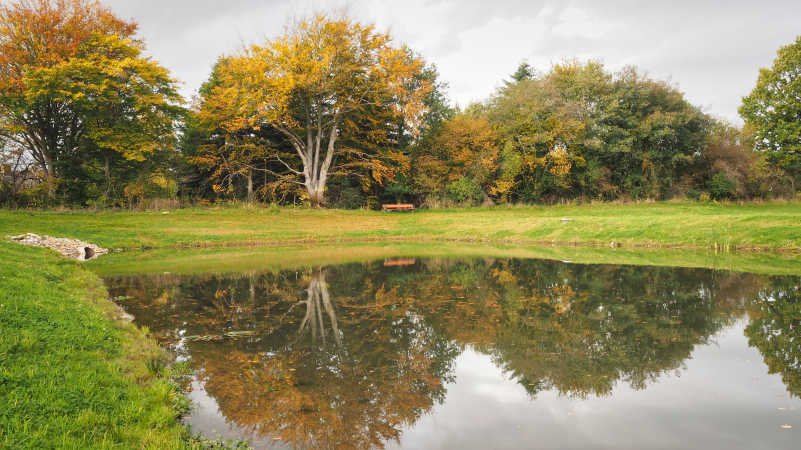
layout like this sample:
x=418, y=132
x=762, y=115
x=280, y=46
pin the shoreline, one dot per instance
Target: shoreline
x=75, y=370
x=687, y=226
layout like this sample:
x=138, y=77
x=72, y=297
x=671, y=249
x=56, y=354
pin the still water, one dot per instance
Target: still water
x=483, y=353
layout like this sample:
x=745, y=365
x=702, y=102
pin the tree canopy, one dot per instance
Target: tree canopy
x=74, y=85
x=333, y=111
x=334, y=90
x=773, y=110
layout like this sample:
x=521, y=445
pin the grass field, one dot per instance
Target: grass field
x=774, y=226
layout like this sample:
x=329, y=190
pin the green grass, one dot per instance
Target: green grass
x=71, y=375
x=770, y=226
x=274, y=258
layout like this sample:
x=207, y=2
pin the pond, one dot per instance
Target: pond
x=482, y=353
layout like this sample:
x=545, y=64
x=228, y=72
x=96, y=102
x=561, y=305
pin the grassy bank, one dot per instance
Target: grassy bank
x=274, y=258
x=71, y=374
x=773, y=226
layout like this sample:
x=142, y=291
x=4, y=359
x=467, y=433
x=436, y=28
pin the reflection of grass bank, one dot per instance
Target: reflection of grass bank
x=687, y=225
x=222, y=260
x=71, y=374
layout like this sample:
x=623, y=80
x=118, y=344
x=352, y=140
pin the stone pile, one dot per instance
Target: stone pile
x=71, y=248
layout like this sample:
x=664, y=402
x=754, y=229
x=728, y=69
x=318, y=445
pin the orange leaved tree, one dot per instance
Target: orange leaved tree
x=74, y=83
x=336, y=91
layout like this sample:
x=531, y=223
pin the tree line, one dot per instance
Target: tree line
x=335, y=113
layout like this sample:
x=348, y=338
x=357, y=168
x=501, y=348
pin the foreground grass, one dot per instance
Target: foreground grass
x=773, y=226
x=71, y=376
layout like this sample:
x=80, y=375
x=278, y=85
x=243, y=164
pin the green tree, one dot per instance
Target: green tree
x=580, y=131
x=524, y=72
x=773, y=109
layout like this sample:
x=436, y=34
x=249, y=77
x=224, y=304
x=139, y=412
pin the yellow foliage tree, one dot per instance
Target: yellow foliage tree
x=332, y=88
x=466, y=147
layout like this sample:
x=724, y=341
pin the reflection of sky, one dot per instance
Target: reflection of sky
x=722, y=398
x=206, y=417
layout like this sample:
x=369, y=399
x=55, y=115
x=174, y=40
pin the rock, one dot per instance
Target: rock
x=124, y=316
x=71, y=248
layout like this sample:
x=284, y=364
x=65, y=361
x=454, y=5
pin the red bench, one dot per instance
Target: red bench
x=398, y=207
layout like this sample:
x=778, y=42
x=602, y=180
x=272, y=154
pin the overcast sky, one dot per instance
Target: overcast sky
x=711, y=50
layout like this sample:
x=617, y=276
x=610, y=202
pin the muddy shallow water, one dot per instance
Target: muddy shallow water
x=483, y=353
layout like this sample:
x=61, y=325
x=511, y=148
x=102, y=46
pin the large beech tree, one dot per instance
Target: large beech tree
x=339, y=92
x=73, y=81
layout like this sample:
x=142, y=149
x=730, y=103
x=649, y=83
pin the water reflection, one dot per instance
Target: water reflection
x=355, y=355
x=775, y=329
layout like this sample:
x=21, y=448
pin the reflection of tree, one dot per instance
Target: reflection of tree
x=591, y=327
x=578, y=329
x=775, y=329
x=382, y=370
x=319, y=299
x=346, y=356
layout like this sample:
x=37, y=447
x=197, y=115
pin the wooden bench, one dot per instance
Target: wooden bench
x=398, y=207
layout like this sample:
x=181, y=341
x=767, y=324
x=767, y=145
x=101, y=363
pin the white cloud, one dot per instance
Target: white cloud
x=712, y=50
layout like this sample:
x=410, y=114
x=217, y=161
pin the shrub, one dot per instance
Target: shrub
x=720, y=187
x=465, y=190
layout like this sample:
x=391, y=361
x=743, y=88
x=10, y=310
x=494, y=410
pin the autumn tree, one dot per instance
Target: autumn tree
x=544, y=130
x=226, y=160
x=581, y=131
x=439, y=110
x=773, y=109
x=333, y=89
x=74, y=83
x=460, y=160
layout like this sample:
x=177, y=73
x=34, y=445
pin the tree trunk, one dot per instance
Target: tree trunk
x=51, y=178
x=316, y=195
x=108, y=176
x=250, y=185
x=317, y=302
x=315, y=169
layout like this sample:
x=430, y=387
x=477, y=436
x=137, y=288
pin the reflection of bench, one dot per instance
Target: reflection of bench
x=397, y=262
x=399, y=207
